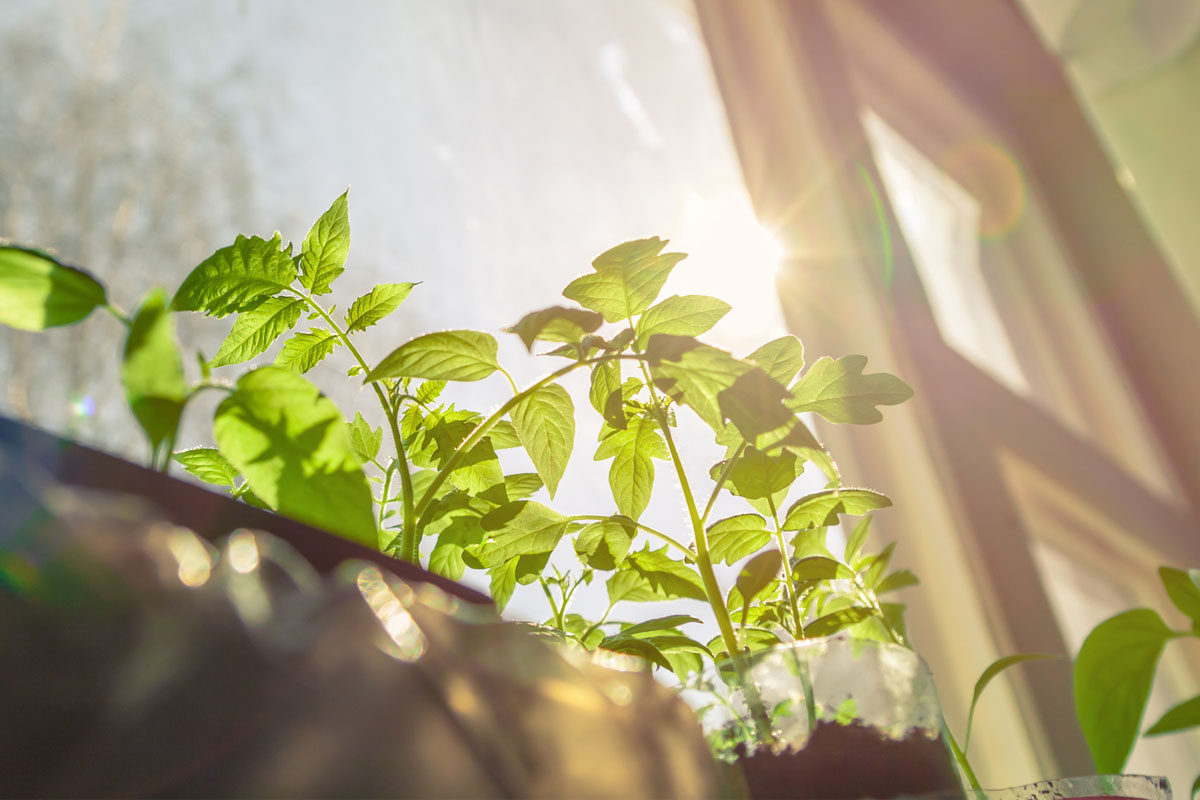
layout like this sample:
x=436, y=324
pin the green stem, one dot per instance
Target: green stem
x=789, y=586
x=387, y=488
x=424, y=506
x=712, y=498
x=511, y=382
x=408, y=546
x=558, y=620
x=687, y=552
x=597, y=623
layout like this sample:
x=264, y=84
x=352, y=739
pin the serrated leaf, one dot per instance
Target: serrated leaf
x=757, y=475
x=429, y=391
x=152, y=371
x=208, y=465
x=781, y=358
x=503, y=582
x=693, y=373
x=237, y=277
x=839, y=392
x=681, y=315
x=256, y=329
x=627, y=279
x=835, y=621
x=461, y=532
x=530, y=567
x=545, y=422
x=822, y=508
x=292, y=445
x=605, y=393
x=733, y=538
x=605, y=543
x=323, y=256
x=520, y=528
x=375, y=305
x=304, y=351
x=446, y=356
x=665, y=578
x=365, y=440
x=1184, y=590
x=477, y=469
x=38, y=292
x=1179, y=717
x=758, y=572
x=556, y=324
x=1113, y=675
x=631, y=476
x=994, y=669
x=518, y=486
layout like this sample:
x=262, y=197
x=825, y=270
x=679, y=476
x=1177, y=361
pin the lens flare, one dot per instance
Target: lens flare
x=992, y=175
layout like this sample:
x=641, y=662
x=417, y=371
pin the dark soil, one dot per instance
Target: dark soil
x=852, y=761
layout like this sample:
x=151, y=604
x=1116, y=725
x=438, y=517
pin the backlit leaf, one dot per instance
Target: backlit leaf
x=819, y=568
x=37, y=292
x=446, y=355
x=733, y=538
x=304, y=351
x=835, y=621
x=545, y=422
x=627, y=279
x=376, y=305
x=900, y=579
x=293, y=447
x=659, y=624
x=631, y=476
x=237, y=277
x=666, y=578
x=605, y=543
x=1184, y=590
x=556, y=324
x=323, y=256
x=208, y=465
x=1113, y=675
x=256, y=329
x=857, y=538
x=781, y=358
x=686, y=315
x=152, y=371
x=839, y=392
x=365, y=441
x=638, y=647
x=605, y=393
x=758, y=572
x=520, y=528
x=994, y=669
x=503, y=582
x=822, y=508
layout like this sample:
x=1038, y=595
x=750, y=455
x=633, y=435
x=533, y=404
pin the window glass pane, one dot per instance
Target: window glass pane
x=940, y=221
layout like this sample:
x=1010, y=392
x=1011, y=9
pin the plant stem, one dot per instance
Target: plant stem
x=387, y=487
x=511, y=382
x=408, y=546
x=558, y=619
x=789, y=586
x=712, y=498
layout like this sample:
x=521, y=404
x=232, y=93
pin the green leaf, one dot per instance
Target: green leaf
x=365, y=441
x=668, y=623
x=734, y=538
x=257, y=328
x=304, y=351
x=781, y=358
x=37, y=292
x=831, y=623
x=665, y=578
x=375, y=305
x=478, y=469
x=758, y=572
x=429, y=391
x=293, y=447
x=839, y=392
x=1113, y=674
x=631, y=476
x=605, y=543
x=693, y=373
x=638, y=647
x=520, y=528
x=208, y=465
x=445, y=356
x=605, y=394
x=754, y=403
x=1184, y=590
x=152, y=371
x=900, y=579
x=857, y=539
x=556, y=324
x=446, y=558
x=686, y=315
x=874, y=566
x=994, y=669
x=822, y=508
x=323, y=256
x=503, y=582
x=517, y=486
x=545, y=422
x=238, y=277
x=819, y=568
x=1178, y=718
x=757, y=475
x=627, y=279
